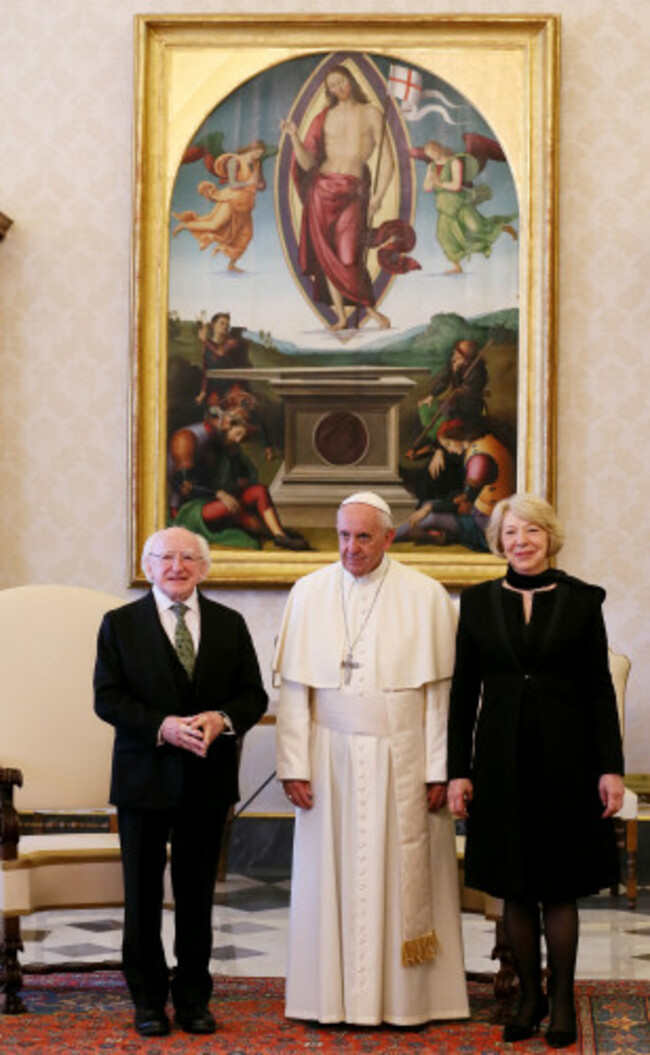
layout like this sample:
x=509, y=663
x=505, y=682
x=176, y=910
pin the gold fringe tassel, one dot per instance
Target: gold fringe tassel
x=419, y=950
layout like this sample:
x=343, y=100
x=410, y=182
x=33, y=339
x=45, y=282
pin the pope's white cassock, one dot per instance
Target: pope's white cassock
x=375, y=927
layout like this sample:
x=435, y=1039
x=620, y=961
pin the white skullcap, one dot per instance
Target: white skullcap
x=368, y=498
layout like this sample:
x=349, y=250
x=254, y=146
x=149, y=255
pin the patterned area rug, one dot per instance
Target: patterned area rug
x=91, y=1012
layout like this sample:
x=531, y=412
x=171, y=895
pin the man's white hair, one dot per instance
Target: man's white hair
x=157, y=536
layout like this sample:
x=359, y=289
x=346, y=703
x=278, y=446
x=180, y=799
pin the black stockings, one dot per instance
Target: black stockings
x=561, y=931
x=523, y=930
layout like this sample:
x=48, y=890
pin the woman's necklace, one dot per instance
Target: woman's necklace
x=348, y=664
x=528, y=585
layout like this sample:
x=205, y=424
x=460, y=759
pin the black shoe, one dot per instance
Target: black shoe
x=561, y=1038
x=515, y=1031
x=196, y=1022
x=150, y=1023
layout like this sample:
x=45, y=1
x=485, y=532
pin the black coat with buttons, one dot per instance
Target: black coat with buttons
x=545, y=731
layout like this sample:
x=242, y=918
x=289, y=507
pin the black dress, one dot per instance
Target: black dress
x=546, y=730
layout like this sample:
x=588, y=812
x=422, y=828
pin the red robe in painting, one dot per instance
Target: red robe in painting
x=334, y=226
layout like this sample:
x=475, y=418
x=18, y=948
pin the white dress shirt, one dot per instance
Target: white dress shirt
x=168, y=617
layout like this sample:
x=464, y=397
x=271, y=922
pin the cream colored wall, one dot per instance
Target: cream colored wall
x=65, y=143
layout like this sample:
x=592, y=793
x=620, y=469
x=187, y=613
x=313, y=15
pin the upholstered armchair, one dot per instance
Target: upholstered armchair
x=55, y=761
x=627, y=816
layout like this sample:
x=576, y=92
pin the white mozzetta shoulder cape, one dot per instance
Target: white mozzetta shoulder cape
x=416, y=640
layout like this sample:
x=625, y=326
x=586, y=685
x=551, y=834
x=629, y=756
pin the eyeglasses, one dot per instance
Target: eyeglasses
x=169, y=558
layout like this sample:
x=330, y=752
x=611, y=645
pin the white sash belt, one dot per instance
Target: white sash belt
x=342, y=713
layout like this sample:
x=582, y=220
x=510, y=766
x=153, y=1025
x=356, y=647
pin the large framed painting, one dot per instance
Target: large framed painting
x=344, y=280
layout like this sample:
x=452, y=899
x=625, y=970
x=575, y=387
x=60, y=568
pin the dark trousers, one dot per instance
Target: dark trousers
x=195, y=838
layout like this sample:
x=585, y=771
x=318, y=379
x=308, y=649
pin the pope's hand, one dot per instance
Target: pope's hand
x=299, y=793
x=436, y=796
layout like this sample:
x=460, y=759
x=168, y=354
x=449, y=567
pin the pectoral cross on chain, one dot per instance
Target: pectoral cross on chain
x=348, y=665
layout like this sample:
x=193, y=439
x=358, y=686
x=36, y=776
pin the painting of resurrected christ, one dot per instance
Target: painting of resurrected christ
x=341, y=197
x=367, y=230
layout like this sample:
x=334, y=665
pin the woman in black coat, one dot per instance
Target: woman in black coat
x=536, y=771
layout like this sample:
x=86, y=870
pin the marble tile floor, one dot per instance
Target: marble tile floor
x=250, y=932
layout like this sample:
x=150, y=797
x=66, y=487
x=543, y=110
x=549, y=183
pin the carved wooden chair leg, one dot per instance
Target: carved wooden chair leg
x=505, y=980
x=627, y=840
x=631, y=849
x=619, y=828
x=12, y=975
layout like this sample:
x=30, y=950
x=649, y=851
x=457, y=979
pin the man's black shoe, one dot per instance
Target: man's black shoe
x=196, y=1022
x=150, y=1023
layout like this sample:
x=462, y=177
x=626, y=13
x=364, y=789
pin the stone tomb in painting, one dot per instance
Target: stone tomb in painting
x=341, y=434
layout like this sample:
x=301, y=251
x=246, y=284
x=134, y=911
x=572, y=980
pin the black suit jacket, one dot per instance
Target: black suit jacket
x=139, y=681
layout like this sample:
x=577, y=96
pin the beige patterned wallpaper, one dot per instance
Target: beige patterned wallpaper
x=65, y=144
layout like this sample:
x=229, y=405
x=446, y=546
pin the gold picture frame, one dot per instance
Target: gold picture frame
x=187, y=67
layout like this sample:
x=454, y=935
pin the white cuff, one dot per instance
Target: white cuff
x=228, y=727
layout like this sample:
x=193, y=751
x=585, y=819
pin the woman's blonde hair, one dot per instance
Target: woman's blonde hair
x=528, y=507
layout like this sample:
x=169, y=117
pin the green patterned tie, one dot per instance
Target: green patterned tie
x=183, y=639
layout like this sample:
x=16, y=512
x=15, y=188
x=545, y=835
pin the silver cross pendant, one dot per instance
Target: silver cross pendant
x=348, y=664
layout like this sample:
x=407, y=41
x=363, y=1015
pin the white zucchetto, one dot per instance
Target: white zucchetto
x=368, y=498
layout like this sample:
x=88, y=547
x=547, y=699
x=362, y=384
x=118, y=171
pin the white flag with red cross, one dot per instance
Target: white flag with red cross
x=405, y=85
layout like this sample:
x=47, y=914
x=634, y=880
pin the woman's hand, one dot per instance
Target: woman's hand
x=611, y=790
x=459, y=793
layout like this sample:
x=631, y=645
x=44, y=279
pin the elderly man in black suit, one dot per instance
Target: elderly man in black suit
x=178, y=678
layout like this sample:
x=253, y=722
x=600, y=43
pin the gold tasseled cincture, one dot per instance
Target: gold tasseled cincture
x=419, y=950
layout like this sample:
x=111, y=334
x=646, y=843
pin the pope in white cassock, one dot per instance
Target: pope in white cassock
x=365, y=656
